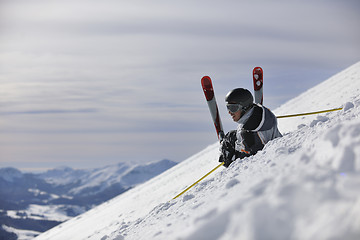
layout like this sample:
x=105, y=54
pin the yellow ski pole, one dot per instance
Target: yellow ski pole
x=208, y=89
x=310, y=113
x=198, y=180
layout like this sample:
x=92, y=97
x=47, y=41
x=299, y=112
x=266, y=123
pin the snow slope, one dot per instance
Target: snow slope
x=305, y=185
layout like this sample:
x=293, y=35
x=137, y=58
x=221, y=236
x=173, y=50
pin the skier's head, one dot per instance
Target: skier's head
x=238, y=102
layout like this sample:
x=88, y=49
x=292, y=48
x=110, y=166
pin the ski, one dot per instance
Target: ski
x=211, y=101
x=258, y=84
x=210, y=98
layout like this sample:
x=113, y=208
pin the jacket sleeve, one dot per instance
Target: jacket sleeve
x=251, y=141
x=247, y=144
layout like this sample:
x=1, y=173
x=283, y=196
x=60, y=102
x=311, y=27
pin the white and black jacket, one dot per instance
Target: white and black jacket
x=256, y=128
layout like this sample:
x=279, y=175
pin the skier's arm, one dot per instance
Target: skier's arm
x=232, y=147
x=227, y=148
x=249, y=144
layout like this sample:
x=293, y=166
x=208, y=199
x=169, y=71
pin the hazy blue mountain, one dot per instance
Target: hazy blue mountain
x=39, y=201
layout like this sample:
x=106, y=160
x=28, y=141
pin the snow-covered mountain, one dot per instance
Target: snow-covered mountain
x=33, y=203
x=96, y=180
x=305, y=185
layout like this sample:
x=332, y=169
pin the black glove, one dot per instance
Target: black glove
x=227, y=148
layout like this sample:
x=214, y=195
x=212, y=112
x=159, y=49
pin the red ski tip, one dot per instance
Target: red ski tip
x=207, y=87
x=258, y=78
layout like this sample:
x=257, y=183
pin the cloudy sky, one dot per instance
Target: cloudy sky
x=88, y=83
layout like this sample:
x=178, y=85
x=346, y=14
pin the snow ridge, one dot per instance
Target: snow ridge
x=101, y=178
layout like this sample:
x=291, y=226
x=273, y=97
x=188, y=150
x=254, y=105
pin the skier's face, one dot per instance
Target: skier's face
x=235, y=116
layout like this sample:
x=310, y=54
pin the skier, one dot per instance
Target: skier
x=257, y=126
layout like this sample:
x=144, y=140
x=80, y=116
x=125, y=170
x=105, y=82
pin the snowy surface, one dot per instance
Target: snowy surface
x=22, y=234
x=41, y=212
x=305, y=185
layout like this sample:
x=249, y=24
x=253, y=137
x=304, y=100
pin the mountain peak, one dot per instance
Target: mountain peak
x=9, y=174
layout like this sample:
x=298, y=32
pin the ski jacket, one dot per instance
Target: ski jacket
x=256, y=128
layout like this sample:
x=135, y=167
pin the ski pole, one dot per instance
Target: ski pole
x=198, y=180
x=310, y=113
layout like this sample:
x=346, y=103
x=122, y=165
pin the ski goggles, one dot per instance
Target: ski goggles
x=233, y=107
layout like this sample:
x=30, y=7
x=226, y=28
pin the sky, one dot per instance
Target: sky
x=87, y=83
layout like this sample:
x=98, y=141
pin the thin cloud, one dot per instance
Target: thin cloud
x=50, y=111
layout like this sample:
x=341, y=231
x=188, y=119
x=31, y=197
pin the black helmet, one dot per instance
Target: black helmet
x=240, y=96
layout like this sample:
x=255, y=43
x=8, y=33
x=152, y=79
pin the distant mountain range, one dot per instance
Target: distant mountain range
x=33, y=203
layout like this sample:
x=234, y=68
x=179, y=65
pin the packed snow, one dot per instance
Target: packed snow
x=22, y=234
x=305, y=185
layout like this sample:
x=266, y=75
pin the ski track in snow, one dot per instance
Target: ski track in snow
x=305, y=185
